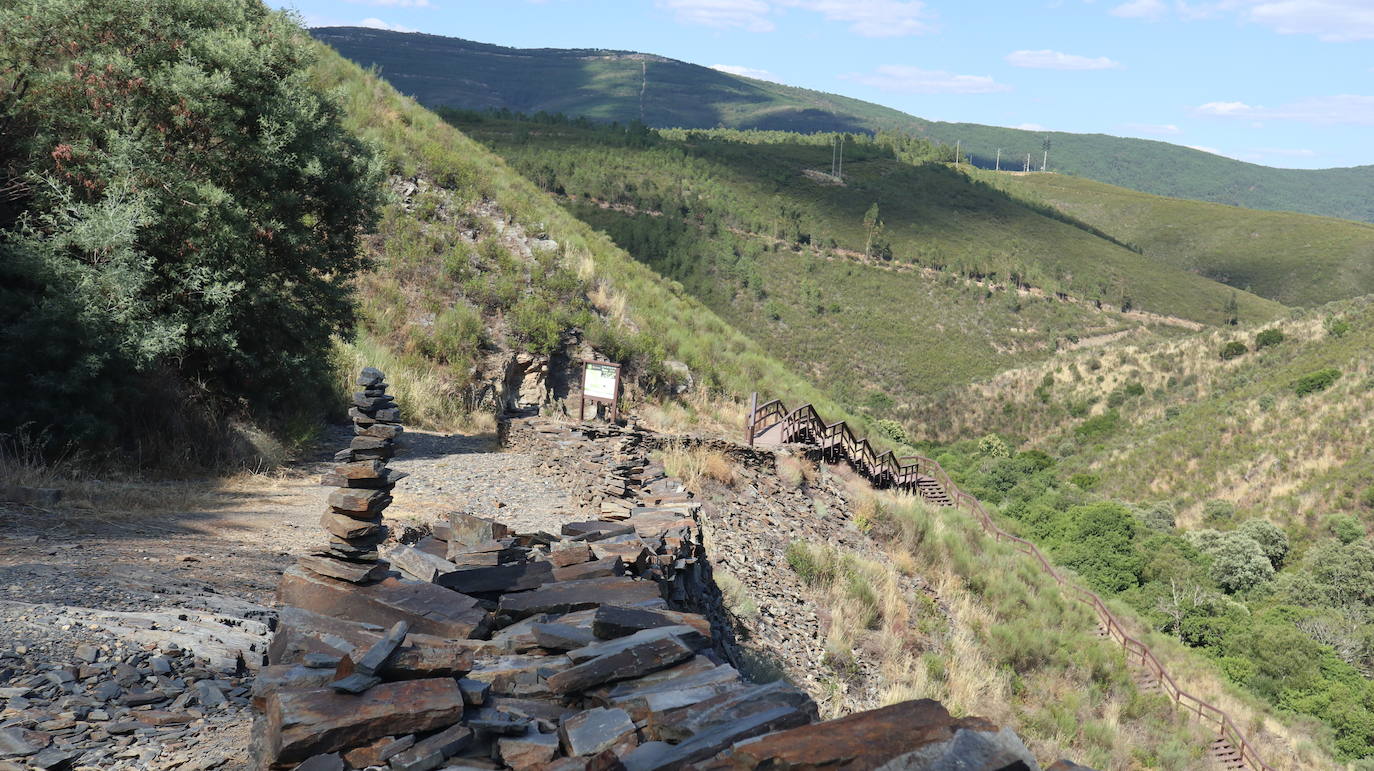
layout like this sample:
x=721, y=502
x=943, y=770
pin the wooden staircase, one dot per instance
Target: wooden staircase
x=772, y=424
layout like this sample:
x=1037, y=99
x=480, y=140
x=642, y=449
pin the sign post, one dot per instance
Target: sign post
x=600, y=383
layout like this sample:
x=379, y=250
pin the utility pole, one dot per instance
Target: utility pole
x=999, y=159
x=1027, y=163
x=1045, y=161
x=840, y=174
x=957, y=144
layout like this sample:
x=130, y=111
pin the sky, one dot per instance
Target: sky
x=1279, y=82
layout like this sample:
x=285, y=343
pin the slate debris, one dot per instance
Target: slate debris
x=589, y=649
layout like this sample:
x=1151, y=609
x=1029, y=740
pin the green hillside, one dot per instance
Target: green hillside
x=625, y=86
x=951, y=282
x=1295, y=259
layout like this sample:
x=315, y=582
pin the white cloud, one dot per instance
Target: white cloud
x=1330, y=20
x=1057, y=60
x=1152, y=129
x=1141, y=9
x=1031, y=127
x=914, y=80
x=748, y=72
x=1205, y=149
x=1352, y=109
x=376, y=23
x=721, y=14
x=871, y=18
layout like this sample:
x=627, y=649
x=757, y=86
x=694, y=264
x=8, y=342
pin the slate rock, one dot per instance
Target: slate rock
x=912, y=734
x=18, y=742
x=475, y=692
x=631, y=661
x=595, y=730
x=570, y=555
x=467, y=529
x=378, y=752
x=363, y=469
x=419, y=564
x=300, y=724
x=501, y=578
x=330, y=762
x=359, y=503
x=567, y=596
x=594, y=569
x=348, y=528
x=344, y=570
x=561, y=637
x=595, y=530
x=427, y=608
x=430, y=753
x=369, y=377
x=530, y=751
x=612, y=621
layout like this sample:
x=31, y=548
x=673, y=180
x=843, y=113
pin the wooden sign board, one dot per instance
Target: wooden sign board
x=600, y=383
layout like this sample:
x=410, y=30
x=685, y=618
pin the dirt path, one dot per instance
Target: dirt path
x=93, y=596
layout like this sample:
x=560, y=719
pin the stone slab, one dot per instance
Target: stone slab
x=427, y=608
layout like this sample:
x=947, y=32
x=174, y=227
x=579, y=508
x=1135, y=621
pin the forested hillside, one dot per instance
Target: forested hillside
x=904, y=279
x=1292, y=258
x=625, y=86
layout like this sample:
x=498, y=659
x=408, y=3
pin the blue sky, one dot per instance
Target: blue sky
x=1279, y=82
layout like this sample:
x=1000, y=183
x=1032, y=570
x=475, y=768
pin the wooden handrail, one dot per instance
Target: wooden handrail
x=837, y=441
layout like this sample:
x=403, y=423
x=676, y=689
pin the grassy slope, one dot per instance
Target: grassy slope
x=1294, y=259
x=903, y=330
x=415, y=141
x=1204, y=428
x=619, y=85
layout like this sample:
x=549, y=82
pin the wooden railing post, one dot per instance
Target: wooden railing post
x=749, y=424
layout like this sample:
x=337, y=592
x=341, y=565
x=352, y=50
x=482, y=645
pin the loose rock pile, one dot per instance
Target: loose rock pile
x=114, y=709
x=483, y=648
x=354, y=519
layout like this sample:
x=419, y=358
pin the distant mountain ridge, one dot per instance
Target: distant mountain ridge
x=612, y=85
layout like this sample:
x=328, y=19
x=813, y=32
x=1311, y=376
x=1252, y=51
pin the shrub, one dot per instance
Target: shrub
x=1233, y=349
x=1157, y=516
x=1272, y=541
x=992, y=446
x=1314, y=382
x=1217, y=512
x=1269, y=337
x=1238, y=563
x=1085, y=481
x=1099, y=426
x=1097, y=542
x=1346, y=528
x=813, y=565
x=893, y=430
x=1337, y=326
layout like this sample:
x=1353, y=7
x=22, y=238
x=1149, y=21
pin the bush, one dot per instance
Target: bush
x=1217, y=512
x=1314, y=382
x=1085, y=481
x=1233, y=349
x=992, y=446
x=1272, y=541
x=1099, y=426
x=1097, y=542
x=1346, y=528
x=893, y=430
x=1268, y=337
x=1238, y=563
x=814, y=566
x=1337, y=326
x=181, y=202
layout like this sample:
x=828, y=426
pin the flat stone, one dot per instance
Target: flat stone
x=162, y=717
x=18, y=742
x=495, y=722
x=561, y=637
x=421, y=565
x=468, y=529
x=501, y=578
x=380, y=430
x=330, y=762
x=475, y=692
x=631, y=661
x=530, y=751
x=732, y=707
x=612, y=621
x=385, y=480
x=567, y=596
x=359, y=503
x=363, y=469
x=371, y=661
x=378, y=752
x=519, y=675
x=600, y=648
x=595, y=730
x=369, y=377
x=570, y=555
x=596, y=530
x=304, y=723
x=654, y=755
x=913, y=734
x=53, y=758
x=348, y=528
x=431, y=752
x=427, y=608
x=595, y=569
x=344, y=570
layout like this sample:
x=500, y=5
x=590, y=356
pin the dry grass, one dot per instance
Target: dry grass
x=430, y=396
x=693, y=464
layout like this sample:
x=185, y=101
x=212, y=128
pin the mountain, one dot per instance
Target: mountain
x=624, y=86
x=1295, y=259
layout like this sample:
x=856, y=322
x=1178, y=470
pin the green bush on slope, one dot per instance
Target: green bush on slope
x=183, y=215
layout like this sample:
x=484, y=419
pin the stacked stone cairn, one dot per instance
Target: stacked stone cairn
x=354, y=519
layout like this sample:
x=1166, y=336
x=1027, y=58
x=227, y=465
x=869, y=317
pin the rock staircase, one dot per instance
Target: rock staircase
x=772, y=424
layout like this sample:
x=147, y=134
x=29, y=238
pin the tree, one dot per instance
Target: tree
x=182, y=202
x=1238, y=563
x=871, y=225
x=1096, y=541
x=1272, y=541
x=1232, y=310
